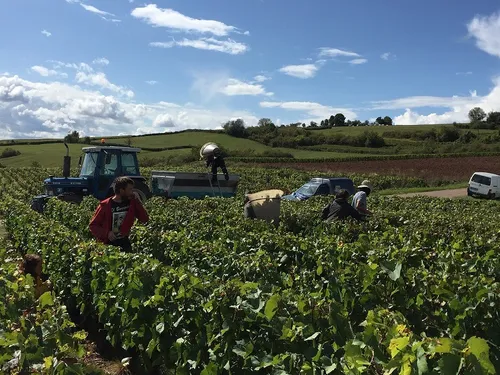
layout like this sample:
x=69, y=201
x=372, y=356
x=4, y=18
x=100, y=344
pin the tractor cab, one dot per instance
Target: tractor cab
x=99, y=167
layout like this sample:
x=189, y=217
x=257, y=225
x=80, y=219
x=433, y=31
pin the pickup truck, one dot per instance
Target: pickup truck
x=321, y=186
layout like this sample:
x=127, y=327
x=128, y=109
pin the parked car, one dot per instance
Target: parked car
x=484, y=184
x=321, y=186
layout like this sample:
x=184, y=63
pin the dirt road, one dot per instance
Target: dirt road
x=454, y=193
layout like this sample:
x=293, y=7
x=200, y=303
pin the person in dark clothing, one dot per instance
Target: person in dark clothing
x=340, y=209
x=217, y=161
x=115, y=216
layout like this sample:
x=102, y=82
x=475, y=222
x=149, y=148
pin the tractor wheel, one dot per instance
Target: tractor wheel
x=143, y=190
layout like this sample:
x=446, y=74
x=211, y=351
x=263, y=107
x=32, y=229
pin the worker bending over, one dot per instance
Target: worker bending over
x=340, y=209
x=216, y=161
x=116, y=215
x=359, y=199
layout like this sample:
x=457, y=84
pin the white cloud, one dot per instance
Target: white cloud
x=425, y=101
x=32, y=109
x=44, y=72
x=300, y=71
x=79, y=66
x=46, y=33
x=316, y=110
x=164, y=121
x=335, y=52
x=90, y=8
x=358, y=61
x=152, y=83
x=101, y=61
x=459, y=107
x=174, y=20
x=210, y=44
x=464, y=73
x=235, y=87
x=93, y=9
x=100, y=80
x=211, y=84
x=261, y=78
x=486, y=31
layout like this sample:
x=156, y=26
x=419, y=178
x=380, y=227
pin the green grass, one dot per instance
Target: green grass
x=51, y=155
x=193, y=139
x=356, y=130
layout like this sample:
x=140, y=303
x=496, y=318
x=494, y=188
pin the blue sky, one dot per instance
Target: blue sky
x=119, y=66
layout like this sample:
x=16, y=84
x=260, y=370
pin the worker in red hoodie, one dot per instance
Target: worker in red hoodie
x=116, y=215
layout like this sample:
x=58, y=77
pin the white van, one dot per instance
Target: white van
x=485, y=185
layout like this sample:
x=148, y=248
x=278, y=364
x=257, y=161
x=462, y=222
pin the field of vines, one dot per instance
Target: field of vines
x=414, y=290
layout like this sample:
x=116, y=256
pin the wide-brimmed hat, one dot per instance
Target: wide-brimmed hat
x=366, y=184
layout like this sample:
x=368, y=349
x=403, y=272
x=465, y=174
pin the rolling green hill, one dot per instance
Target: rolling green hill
x=398, y=141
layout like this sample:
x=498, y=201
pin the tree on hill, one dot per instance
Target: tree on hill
x=331, y=121
x=235, y=128
x=384, y=121
x=73, y=137
x=476, y=115
x=314, y=124
x=493, y=118
x=339, y=119
x=266, y=125
x=265, y=122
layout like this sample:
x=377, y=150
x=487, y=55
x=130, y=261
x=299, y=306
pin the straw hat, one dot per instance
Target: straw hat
x=366, y=184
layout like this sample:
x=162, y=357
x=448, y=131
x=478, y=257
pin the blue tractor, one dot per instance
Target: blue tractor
x=99, y=167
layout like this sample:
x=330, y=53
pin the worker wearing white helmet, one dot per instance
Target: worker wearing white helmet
x=213, y=156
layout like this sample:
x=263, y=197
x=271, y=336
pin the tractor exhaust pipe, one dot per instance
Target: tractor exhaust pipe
x=66, y=163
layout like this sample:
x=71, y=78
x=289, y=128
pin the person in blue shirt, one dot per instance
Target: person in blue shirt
x=359, y=199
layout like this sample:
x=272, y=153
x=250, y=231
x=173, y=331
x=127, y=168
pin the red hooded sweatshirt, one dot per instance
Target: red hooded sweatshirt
x=101, y=222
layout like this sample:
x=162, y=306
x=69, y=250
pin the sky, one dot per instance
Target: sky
x=110, y=67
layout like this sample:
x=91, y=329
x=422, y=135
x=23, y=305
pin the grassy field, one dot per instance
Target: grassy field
x=51, y=154
x=398, y=128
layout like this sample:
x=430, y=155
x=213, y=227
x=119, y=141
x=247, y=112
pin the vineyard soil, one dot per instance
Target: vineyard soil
x=452, y=169
x=453, y=193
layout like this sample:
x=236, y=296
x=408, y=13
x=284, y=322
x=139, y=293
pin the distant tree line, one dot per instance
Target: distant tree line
x=292, y=136
x=337, y=120
x=480, y=120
